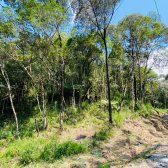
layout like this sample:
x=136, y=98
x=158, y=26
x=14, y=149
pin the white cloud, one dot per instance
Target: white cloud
x=159, y=61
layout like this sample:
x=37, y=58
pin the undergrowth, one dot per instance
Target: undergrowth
x=49, y=147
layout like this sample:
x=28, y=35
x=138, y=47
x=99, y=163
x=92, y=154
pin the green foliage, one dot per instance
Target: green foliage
x=118, y=119
x=102, y=135
x=52, y=151
x=145, y=110
x=5, y=134
x=30, y=152
x=106, y=165
x=114, y=104
x=94, y=143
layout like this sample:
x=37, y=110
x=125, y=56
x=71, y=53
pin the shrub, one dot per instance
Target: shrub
x=30, y=152
x=52, y=151
x=94, y=143
x=118, y=119
x=101, y=136
x=145, y=110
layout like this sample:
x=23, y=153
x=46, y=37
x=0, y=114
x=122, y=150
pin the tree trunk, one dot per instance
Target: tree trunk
x=108, y=82
x=38, y=103
x=135, y=92
x=124, y=93
x=62, y=84
x=37, y=128
x=5, y=75
x=62, y=96
x=73, y=95
x=132, y=93
x=80, y=96
x=44, y=109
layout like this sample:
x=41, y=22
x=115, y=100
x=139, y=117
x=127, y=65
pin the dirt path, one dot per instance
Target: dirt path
x=140, y=143
x=157, y=159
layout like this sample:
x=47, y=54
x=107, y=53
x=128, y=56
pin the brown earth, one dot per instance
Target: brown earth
x=134, y=138
x=123, y=146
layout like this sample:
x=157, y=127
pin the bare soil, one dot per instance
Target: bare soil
x=132, y=140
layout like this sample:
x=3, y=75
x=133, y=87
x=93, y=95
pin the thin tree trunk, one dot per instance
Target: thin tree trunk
x=132, y=93
x=67, y=113
x=135, y=92
x=3, y=106
x=38, y=103
x=52, y=100
x=123, y=97
x=73, y=95
x=5, y=75
x=79, y=96
x=108, y=82
x=62, y=96
x=62, y=84
x=44, y=109
x=122, y=83
x=37, y=128
x=140, y=80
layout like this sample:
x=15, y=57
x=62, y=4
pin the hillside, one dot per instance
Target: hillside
x=88, y=140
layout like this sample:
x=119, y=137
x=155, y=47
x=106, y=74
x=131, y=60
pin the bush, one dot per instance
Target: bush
x=145, y=110
x=94, y=143
x=5, y=134
x=30, y=152
x=101, y=136
x=52, y=151
x=118, y=119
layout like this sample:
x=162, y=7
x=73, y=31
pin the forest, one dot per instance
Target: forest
x=62, y=62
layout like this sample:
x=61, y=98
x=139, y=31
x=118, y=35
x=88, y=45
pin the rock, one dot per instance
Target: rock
x=163, y=164
x=164, y=160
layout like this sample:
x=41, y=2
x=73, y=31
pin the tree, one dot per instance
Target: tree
x=140, y=37
x=97, y=15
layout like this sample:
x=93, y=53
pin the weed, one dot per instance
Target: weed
x=52, y=151
x=106, y=165
x=30, y=153
x=145, y=110
x=118, y=119
x=94, y=143
x=101, y=136
x=146, y=154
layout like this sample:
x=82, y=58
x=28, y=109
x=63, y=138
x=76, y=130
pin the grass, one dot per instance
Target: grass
x=36, y=150
x=50, y=146
x=106, y=165
x=161, y=110
x=145, y=154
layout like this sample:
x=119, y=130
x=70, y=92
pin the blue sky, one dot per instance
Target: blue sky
x=144, y=7
x=138, y=6
x=141, y=6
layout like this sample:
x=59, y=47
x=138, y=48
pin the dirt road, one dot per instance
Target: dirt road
x=158, y=159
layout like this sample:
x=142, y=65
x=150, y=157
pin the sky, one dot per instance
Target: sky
x=144, y=7
x=141, y=6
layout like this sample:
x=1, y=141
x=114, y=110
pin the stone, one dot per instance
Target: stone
x=164, y=160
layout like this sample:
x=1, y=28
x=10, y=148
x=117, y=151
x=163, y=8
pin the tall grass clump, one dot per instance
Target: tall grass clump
x=102, y=135
x=52, y=151
x=145, y=110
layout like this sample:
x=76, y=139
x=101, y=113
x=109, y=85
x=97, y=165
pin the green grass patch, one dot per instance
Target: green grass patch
x=106, y=165
x=145, y=110
x=52, y=151
x=161, y=110
x=102, y=135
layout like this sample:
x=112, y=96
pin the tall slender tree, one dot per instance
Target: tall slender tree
x=97, y=14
